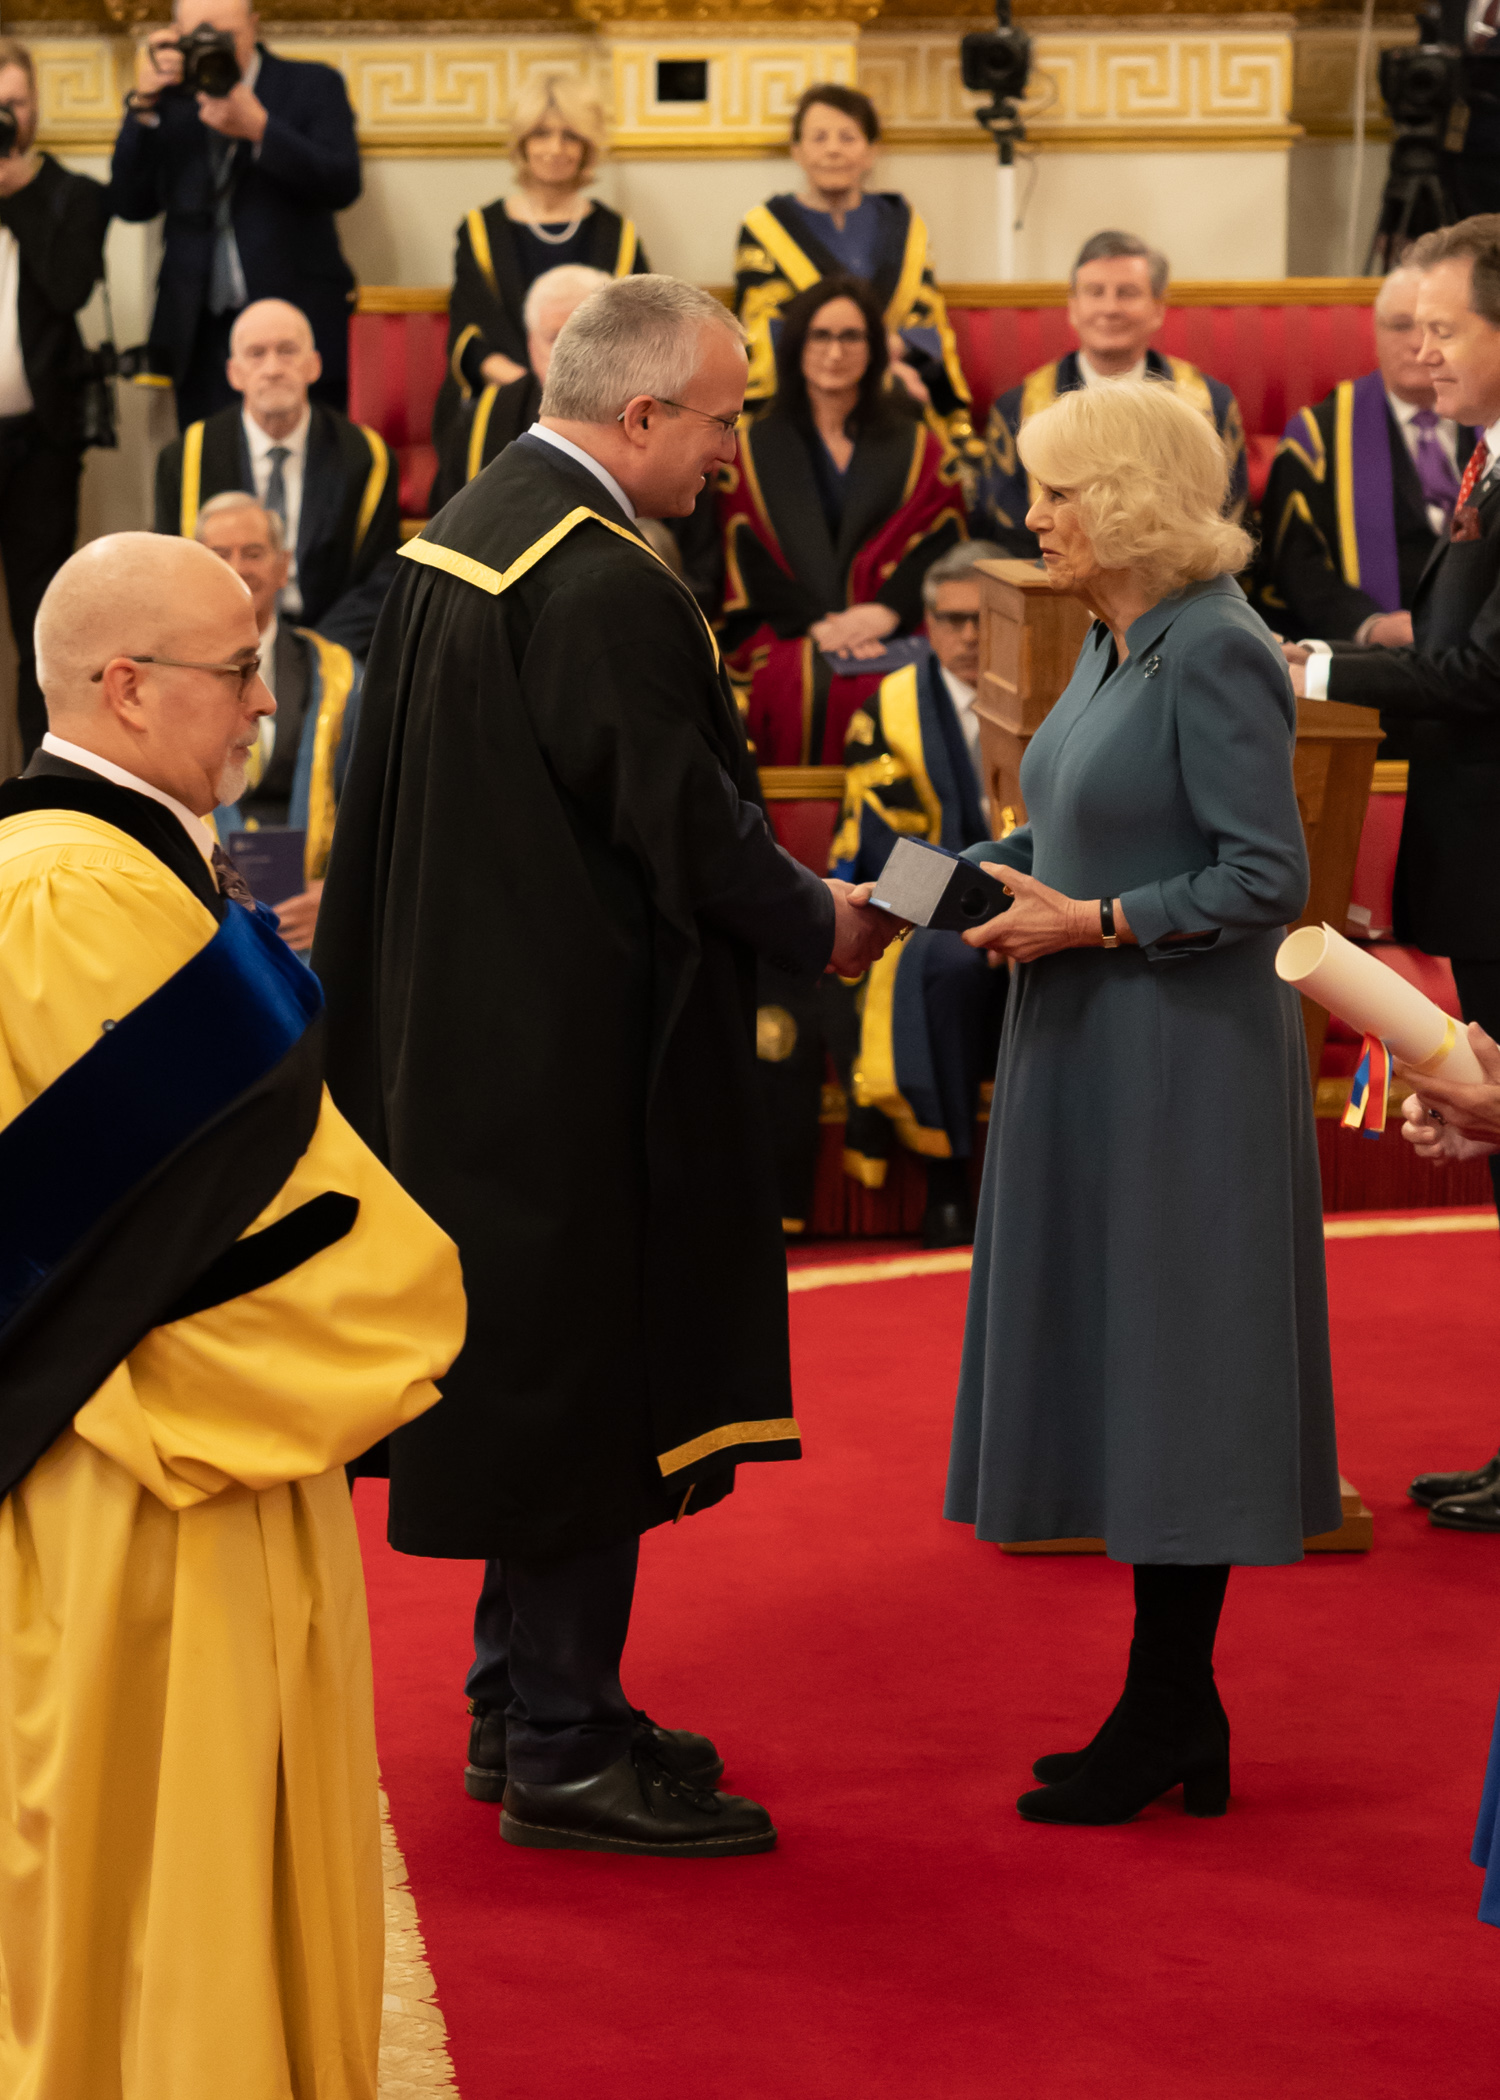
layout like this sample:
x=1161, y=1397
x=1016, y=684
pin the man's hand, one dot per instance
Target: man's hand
x=861, y=630
x=237, y=115
x=1448, y=1120
x=861, y=935
x=297, y=917
x=498, y=370
x=158, y=64
x=1390, y=630
x=1295, y=652
x=1298, y=675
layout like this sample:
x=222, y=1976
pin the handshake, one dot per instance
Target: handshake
x=861, y=934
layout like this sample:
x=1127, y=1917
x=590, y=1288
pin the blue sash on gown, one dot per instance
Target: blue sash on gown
x=1486, y=1852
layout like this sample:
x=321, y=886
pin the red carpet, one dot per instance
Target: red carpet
x=882, y=1681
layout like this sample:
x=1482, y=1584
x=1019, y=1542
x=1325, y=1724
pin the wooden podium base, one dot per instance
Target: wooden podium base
x=1355, y=1535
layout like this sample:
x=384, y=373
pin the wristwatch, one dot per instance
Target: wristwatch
x=1107, y=922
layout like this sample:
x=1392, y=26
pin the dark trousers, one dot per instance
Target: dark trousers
x=1479, y=997
x=38, y=525
x=205, y=387
x=548, y=1637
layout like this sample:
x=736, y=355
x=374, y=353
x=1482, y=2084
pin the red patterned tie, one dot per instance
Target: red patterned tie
x=1479, y=459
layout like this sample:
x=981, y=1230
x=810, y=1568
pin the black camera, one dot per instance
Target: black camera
x=997, y=62
x=209, y=63
x=97, y=423
x=1419, y=85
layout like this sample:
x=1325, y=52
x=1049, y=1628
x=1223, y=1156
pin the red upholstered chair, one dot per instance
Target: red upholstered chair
x=397, y=359
x=803, y=804
x=1280, y=345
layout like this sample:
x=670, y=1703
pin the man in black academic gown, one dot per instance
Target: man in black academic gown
x=331, y=482
x=1360, y=493
x=549, y=889
x=487, y=422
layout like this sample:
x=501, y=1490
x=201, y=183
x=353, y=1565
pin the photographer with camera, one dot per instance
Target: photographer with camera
x=249, y=156
x=52, y=226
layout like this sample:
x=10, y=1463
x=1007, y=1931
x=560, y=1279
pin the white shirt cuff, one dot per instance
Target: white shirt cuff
x=1315, y=671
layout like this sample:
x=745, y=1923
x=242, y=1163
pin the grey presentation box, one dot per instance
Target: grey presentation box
x=929, y=887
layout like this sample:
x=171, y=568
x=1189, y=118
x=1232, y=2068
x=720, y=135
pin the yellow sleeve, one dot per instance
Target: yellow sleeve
x=289, y=1380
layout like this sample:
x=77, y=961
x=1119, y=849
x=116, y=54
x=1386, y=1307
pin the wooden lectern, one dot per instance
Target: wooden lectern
x=1029, y=639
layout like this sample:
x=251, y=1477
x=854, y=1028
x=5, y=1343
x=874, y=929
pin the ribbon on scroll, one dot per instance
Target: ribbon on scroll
x=1370, y=1089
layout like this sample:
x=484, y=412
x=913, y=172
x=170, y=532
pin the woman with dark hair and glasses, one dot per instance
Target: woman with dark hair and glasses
x=837, y=506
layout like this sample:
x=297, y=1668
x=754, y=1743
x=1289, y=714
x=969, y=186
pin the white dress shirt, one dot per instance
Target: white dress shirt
x=962, y=697
x=15, y=393
x=195, y=827
x=293, y=474
x=267, y=731
x=586, y=459
x=1091, y=377
x=1315, y=671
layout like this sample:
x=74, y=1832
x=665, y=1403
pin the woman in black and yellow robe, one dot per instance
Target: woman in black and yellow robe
x=557, y=140
x=834, y=227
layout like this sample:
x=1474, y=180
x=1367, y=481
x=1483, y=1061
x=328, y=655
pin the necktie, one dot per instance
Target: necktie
x=226, y=276
x=276, y=486
x=232, y=883
x=1479, y=459
x=1434, y=468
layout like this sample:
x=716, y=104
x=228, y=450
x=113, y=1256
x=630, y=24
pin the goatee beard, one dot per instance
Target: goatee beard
x=232, y=782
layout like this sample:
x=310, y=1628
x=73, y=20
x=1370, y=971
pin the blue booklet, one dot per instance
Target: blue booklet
x=270, y=859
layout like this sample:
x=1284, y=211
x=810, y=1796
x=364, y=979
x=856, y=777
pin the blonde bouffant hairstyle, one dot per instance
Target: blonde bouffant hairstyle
x=1148, y=475
x=559, y=94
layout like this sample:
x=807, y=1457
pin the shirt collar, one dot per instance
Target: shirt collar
x=585, y=459
x=962, y=695
x=268, y=636
x=260, y=442
x=75, y=754
x=1090, y=374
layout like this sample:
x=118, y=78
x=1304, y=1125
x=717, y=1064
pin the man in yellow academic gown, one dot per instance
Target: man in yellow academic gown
x=211, y=1297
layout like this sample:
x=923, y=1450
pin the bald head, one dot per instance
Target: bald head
x=1398, y=338
x=141, y=594
x=272, y=362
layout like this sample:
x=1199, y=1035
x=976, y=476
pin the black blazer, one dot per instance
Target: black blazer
x=1441, y=701
x=349, y=529
x=59, y=222
x=285, y=195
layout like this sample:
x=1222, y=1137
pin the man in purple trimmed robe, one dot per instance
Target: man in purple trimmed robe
x=1360, y=492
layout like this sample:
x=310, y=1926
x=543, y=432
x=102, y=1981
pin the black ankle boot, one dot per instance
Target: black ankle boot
x=1169, y=1727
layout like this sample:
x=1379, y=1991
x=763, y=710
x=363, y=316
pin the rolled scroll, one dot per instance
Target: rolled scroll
x=1366, y=995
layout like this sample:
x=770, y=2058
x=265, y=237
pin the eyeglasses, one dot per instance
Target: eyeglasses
x=244, y=672
x=728, y=424
x=840, y=338
x=956, y=619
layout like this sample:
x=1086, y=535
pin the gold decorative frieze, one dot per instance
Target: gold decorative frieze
x=413, y=96
x=753, y=87
x=1098, y=91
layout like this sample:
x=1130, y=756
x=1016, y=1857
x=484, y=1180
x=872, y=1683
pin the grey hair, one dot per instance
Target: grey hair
x=241, y=499
x=638, y=335
x=1104, y=247
x=1402, y=269
x=572, y=281
x=955, y=565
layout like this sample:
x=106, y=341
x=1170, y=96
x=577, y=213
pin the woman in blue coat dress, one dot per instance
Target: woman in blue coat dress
x=1146, y=1356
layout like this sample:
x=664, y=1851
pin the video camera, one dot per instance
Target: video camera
x=209, y=63
x=997, y=62
x=1430, y=88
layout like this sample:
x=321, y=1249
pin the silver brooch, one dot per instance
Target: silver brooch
x=1150, y=667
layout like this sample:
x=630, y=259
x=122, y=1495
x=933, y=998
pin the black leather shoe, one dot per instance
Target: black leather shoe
x=636, y=1806
x=1479, y=1512
x=1064, y=1764
x=685, y=1756
x=947, y=1225
x=1154, y=1743
x=1442, y=1487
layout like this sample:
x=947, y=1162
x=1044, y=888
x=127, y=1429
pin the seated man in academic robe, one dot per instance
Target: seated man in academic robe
x=331, y=482
x=296, y=769
x=932, y=1008
x=487, y=422
x=212, y=1296
x=1117, y=304
x=1360, y=493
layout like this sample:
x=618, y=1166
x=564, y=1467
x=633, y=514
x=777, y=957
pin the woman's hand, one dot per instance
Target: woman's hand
x=1041, y=921
x=861, y=630
x=498, y=370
